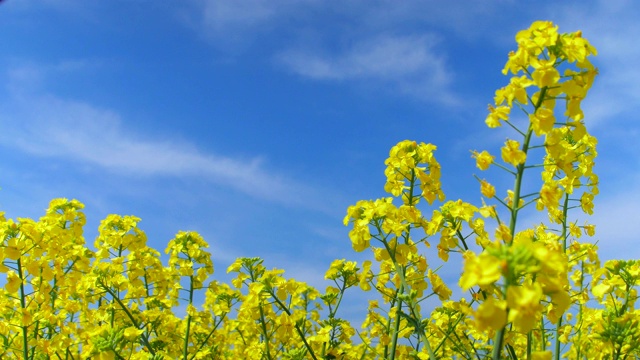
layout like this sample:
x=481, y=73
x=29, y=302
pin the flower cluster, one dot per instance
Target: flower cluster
x=533, y=291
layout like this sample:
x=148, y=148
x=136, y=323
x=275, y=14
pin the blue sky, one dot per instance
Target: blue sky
x=256, y=123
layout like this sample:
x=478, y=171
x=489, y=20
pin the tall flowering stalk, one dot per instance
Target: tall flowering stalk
x=547, y=68
x=518, y=278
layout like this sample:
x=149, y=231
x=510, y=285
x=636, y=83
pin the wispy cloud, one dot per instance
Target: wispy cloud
x=224, y=19
x=233, y=24
x=219, y=15
x=67, y=129
x=385, y=57
x=410, y=64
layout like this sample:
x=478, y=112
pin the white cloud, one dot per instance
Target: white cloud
x=222, y=14
x=410, y=63
x=384, y=57
x=54, y=127
x=72, y=130
x=222, y=19
x=232, y=24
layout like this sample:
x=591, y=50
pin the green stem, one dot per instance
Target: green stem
x=565, y=209
x=145, y=339
x=497, y=341
x=298, y=330
x=412, y=305
x=580, y=314
x=185, y=349
x=499, y=337
x=204, y=342
x=396, y=325
x=543, y=335
x=389, y=321
x=23, y=305
x=451, y=330
x=263, y=325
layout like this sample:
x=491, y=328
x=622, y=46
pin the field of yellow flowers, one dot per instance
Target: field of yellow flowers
x=532, y=293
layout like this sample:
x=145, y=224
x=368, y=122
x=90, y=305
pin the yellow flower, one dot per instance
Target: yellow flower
x=496, y=114
x=540, y=34
x=518, y=61
x=586, y=203
x=560, y=302
x=491, y=314
x=574, y=230
x=545, y=74
x=542, y=121
x=365, y=276
x=576, y=47
x=12, y=250
x=322, y=336
x=438, y=286
x=487, y=189
x=512, y=154
x=459, y=210
x=26, y=317
x=13, y=282
x=483, y=159
x=524, y=305
x=541, y=355
x=480, y=270
x=107, y=355
x=550, y=195
x=504, y=233
x=589, y=229
x=132, y=332
x=600, y=290
x=516, y=90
